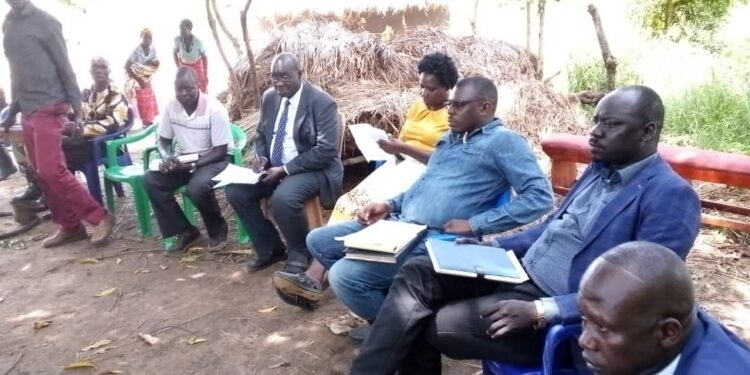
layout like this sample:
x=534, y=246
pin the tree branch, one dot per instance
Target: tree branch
x=254, y=91
x=610, y=62
x=225, y=29
x=212, y=25
x=540, y=48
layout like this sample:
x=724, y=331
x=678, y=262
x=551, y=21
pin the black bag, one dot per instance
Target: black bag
x=77, y=150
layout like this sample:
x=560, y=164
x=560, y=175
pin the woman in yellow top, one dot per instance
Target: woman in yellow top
x=425, y=124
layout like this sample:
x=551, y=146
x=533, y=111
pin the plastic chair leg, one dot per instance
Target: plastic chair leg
x=188, y=208
x=242, y=236
x=110, y=197
x=142, y=208
x=118, y=189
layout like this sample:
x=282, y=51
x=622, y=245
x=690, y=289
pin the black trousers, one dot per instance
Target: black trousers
x=287, y=208
x=172, y=221
x=426, y=314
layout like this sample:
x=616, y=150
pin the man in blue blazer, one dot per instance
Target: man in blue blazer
x=640, y=317
x=296, y=148
x=628, y=193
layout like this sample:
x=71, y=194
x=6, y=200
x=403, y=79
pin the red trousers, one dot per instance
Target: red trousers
x=68, y=200
x=200, y=72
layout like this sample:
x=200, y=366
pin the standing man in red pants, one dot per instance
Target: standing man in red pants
x=43, y=89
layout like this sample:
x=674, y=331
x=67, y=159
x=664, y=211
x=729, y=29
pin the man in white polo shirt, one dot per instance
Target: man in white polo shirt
x=199, y=125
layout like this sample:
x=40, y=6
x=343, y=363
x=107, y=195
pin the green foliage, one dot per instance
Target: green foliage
x=713, y=115
x=591, y=75
x=694, y=20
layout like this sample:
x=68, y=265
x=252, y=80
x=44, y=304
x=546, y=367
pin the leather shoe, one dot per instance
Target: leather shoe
x=257, y=263
x=185, y=241
x=298, y=285
x=103, y=229
x=62, y=237
x=295, y=300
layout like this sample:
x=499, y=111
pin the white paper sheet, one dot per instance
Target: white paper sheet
x=234, y=174
x=366, y=137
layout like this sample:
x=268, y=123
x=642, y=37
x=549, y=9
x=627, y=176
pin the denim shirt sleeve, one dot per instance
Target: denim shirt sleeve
x=395, y=203
x=514, y=158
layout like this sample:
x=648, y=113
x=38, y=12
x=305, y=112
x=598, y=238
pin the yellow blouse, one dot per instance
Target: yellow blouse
x=424, y=128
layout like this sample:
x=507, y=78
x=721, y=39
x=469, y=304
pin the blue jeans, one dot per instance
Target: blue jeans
x=359, y=285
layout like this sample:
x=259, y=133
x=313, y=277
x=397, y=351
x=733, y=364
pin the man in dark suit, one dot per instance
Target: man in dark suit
x=640, y=317
x=628, y=194
x=296, y=148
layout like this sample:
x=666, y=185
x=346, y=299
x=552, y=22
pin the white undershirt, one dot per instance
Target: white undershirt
x=290, y=149
x=671, y=367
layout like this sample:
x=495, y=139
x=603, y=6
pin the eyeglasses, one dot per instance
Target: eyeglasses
x=460, y=103
x=283, y=77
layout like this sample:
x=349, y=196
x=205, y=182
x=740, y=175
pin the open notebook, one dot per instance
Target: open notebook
x=477, y=261
x=382, y=241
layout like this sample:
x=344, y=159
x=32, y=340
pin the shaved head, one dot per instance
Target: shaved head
x=286, y=74
x=637, y=303
x=186, y=87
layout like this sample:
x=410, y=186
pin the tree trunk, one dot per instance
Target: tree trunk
x=212, y=25
x=610, y=62
x=474, y=19
x=540, y=47
x=254, y=90
x=225, y=29
x=528, y=26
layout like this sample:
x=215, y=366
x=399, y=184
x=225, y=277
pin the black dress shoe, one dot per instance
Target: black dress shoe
x=295, y=300
x=298, y=284
x=185, y=241
x=258, y=263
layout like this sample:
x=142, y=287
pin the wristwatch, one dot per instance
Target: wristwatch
x=541, y=320
x=192, y=167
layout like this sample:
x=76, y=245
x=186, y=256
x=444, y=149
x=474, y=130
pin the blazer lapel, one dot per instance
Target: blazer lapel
x=586, y=179
x=622, y=200
x=271, y=121
x=301, y=111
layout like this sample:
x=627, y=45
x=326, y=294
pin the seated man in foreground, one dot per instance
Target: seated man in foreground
x=628, y=193
x=473, y=164
x=200, y=125
x=640, y=317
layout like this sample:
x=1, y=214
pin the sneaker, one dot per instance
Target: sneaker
x=298, y=285
x=62, y=237
x=218, y=243
x=185, y=241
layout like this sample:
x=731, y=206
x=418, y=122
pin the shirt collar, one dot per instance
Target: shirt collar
x=27, y=11
x=485, y=129
x=613, y=176
x=671, y=367
x=294, y=100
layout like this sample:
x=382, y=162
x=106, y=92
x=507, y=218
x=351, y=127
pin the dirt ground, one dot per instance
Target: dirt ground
x=246, y=328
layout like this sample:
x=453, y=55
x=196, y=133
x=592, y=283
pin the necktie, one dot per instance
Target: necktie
x=278, y=140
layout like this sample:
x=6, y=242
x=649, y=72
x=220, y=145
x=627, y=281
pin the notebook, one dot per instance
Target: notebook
x=382, y=241
x=478, y=261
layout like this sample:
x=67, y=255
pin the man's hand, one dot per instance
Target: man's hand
x=172, y=165
x=456, y=226
x=274, y=176
x=474, y=241
x=509, y=316
x=372, y=213
x=259, y=163
x=392, y=146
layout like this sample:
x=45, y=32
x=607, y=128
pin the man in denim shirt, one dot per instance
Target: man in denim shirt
x=474, y=163
x=628, y=194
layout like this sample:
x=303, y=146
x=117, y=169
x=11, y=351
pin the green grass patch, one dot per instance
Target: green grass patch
x=713, y=115
x=591, y=75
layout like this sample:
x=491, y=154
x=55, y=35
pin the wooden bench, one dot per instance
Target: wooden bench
x=566, y=151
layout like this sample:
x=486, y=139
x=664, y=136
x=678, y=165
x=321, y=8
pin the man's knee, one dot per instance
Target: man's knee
x=285, y=202
x=199, y=190
x=150, y=181
x=50, y=173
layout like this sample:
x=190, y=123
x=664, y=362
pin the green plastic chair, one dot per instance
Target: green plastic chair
x=135, y=179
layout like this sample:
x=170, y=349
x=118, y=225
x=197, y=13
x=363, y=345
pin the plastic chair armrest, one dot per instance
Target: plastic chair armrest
x=114, y=144
x=556, y=335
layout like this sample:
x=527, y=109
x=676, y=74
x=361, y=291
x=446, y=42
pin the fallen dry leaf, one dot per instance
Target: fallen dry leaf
x=195, y=340
x=163, y=267
x=102, y=350
x=79, y=364
x=190, y=258
x=105, y=292
x=2, y=299
x=278, y=365
x=151, y=340
x=142, y=270
x=96, y=345
x=88, y=261
x=240, y=252
x=268, y=310
x=118, y=261
x=198, y=275
x=190, y=267
x=41, y=324
x=111, y=372
x=179, y=279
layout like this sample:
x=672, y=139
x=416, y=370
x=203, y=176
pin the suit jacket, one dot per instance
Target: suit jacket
x=712, y=349
x=317, y=133
x=657, y=205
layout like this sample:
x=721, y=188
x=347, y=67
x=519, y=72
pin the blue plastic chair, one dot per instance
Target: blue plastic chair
x=556, y=336
x=90, y=168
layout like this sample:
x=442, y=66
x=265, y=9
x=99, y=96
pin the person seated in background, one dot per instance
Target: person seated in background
x=474, y=164
x=140, y=68
x=640, y=317
x=628, y=193
x=199, y=125
x=425, y=123
x=296, y=149
x=104, y=110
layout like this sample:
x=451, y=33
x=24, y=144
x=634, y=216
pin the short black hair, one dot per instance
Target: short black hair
x=187, y=23
x=650, y=105
x=483, y=86
x=441, y=66
x=185, y=72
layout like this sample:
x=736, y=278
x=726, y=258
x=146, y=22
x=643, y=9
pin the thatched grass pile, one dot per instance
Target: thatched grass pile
x=374, y=80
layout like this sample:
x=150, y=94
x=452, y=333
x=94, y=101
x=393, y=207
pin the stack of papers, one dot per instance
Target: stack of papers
x=382, y=241
x=478, y=261
x=366, y=137
x=234, y=174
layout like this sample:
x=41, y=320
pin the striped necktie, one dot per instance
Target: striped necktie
x=278, y=140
